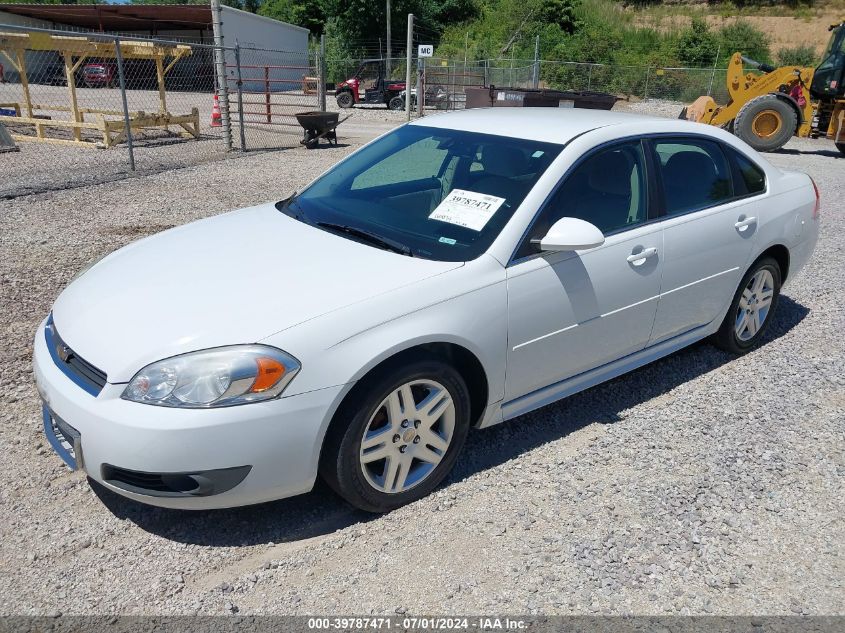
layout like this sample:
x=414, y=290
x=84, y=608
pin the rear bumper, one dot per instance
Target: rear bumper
x=273, y=445
x=801, y=252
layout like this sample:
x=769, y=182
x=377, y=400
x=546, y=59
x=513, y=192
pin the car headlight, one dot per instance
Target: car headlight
x=219, y=377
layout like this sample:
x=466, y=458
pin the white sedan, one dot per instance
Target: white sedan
x=457, y=272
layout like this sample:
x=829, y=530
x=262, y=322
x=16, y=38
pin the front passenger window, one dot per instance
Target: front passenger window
x=608, y=190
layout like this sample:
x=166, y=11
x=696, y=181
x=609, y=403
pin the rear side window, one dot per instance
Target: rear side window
x=695, y=174
x=749, y=178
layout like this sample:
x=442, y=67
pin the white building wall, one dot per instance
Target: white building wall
x=286, y=62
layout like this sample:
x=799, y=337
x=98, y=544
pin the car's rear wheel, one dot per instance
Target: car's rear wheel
x=841, y=148
x=751, y=309
x=399, y=437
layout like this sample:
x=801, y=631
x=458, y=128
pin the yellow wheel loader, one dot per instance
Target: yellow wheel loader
x=766, y=110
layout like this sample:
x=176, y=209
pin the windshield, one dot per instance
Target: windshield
x=835, y=51
x=425, y=191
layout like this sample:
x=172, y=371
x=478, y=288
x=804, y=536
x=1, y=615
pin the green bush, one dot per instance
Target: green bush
x=741, y=36
x=697, y=45
x=802, y=55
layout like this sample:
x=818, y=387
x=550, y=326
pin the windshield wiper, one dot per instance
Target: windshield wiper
x=373, y=238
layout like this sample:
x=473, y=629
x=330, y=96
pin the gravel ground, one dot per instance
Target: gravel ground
x=155, y=150
x=702, y=483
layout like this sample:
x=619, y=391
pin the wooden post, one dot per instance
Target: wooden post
x=71, y=87
x=27, y=100
x=267, y=94
x=162, y=99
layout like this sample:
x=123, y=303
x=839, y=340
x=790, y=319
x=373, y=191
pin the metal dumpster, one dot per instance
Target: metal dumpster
x=496, y=97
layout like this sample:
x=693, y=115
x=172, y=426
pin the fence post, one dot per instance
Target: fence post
x=420, y=86
x=647, y=74
x=321, y=72
x=590, y=77
x=118, y=55
x=535, y=79
x=268, y=111
x=713, y=72
x=240, y=84
x=408, y=59
x=220, y=72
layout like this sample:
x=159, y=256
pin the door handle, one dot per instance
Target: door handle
x=638, y=259
x=743, y=224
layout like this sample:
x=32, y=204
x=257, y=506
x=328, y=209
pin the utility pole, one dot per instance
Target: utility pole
x=389, y=52
x=408, y=59
x=220, y=72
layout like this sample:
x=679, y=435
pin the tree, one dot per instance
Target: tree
x=563, y=13
x=697, y=45
x=308, y=13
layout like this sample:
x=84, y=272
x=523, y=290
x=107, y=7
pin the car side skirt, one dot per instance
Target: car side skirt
x=553, y=393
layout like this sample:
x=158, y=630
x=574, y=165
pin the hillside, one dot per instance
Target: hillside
x=785, y=27
x=604, y=31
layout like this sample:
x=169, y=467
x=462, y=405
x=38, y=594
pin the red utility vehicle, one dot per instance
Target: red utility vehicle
x=369, y=85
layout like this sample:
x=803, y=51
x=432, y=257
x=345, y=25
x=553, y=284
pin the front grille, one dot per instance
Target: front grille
x=74, y=366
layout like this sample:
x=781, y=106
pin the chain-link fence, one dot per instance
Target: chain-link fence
x=445, y=80
x=266, y=89
x=87, y=107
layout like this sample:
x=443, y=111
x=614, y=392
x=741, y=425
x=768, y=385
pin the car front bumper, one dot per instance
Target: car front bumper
x=251, y=453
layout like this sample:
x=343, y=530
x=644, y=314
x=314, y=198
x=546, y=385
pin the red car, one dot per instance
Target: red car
x=100, y=74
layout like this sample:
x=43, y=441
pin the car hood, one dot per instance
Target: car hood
x=234, y=278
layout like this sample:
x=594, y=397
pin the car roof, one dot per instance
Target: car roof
x=551, y=125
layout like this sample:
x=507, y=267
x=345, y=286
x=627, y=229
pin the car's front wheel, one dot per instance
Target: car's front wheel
x=344, y=99
x=398, y=437
x=751, y=309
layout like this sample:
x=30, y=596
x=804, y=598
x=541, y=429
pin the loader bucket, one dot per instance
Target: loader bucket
x=701, y=110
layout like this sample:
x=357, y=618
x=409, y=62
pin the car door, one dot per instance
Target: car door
x=571, y=311
x=709, y=229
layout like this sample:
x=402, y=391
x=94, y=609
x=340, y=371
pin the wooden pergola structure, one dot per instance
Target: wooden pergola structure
x=75, y=50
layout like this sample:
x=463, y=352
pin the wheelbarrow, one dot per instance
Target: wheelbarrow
x=317, y=125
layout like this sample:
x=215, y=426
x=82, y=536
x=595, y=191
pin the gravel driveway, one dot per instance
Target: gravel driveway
x=699, y=484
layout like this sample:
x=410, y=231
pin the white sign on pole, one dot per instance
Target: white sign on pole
x=425, y=50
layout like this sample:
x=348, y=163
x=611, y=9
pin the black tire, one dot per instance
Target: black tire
x=345, y=100
x=841, y=148
x=396, y=103
x=683, y=114
x=340, y=464
x=726, y=338
x=753, y=124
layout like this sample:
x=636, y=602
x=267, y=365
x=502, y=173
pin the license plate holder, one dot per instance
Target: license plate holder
x=65, y=440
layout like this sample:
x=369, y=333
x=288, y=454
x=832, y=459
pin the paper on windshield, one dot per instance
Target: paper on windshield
x=469, y=209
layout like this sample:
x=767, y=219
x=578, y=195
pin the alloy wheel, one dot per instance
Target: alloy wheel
x=407, y=436
x=754, y=304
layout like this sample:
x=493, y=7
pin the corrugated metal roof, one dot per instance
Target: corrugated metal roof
x=118, y=17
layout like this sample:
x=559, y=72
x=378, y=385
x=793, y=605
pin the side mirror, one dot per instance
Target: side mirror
x=571, y=234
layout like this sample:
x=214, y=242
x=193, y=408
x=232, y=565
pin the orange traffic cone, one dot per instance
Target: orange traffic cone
x=216, y=119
